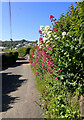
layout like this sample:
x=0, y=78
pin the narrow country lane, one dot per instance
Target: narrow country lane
x=20, y=96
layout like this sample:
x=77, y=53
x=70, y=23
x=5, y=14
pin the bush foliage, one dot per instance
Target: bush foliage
x=23, y=51
x=58, y=63
x=9, y=58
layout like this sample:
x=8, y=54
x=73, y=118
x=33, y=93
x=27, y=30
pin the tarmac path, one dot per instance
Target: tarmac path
x=20, y=98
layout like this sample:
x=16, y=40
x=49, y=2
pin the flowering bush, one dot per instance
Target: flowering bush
x=58, y=63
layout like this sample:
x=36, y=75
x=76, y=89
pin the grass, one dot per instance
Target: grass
x=6, y=50
x=40, y=83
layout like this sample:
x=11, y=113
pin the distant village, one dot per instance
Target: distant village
x=15, y=45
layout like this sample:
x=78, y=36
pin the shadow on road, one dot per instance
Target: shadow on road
x=21, y=59
x=10, y=83
x=19, y=62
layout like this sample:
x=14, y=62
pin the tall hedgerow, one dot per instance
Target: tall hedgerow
x=59, y=64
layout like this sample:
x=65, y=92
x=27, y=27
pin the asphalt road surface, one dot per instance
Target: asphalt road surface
x=20, y=96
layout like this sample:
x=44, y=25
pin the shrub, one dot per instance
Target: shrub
x=9, y=58
x=59, y=64
x=23, y=51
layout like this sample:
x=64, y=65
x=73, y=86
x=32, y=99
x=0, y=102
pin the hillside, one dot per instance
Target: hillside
x=21, y=43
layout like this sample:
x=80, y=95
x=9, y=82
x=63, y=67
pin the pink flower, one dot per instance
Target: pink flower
x=54, y=69
x=52, y=65
x=44, y=53
x=43, y=67
x=47, y=60
x=41, y=43
x=48, y=55
x=56, y=22
x=37, y=72
x=48, y=63
x=51, y=45
x=39, y=48
x=53, y=25
x=56, y=78
x=53, y=29
x=40, y=39
x=44, y=60
x=30, y=60
x=51, y=20
x=60, y=70
x=48, y=48
x=48, y=69
x=42, y=64
x=44, y=47
x=56, y=29
x=38, y=53
x=57, y=74
x=40, y=32
x=51, y=16
x=32, y=57
x=53, y=59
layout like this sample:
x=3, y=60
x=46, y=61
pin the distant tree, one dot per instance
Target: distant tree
x=23, y=40
x=36, y=41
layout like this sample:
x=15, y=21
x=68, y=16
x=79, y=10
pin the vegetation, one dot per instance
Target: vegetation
x=58, y=63
x=7, y=50
x=9, y=58
x=23, y=51
x=8, y=44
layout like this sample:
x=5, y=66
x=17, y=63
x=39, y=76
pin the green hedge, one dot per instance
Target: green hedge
x=9, y=58
x=23, y=51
